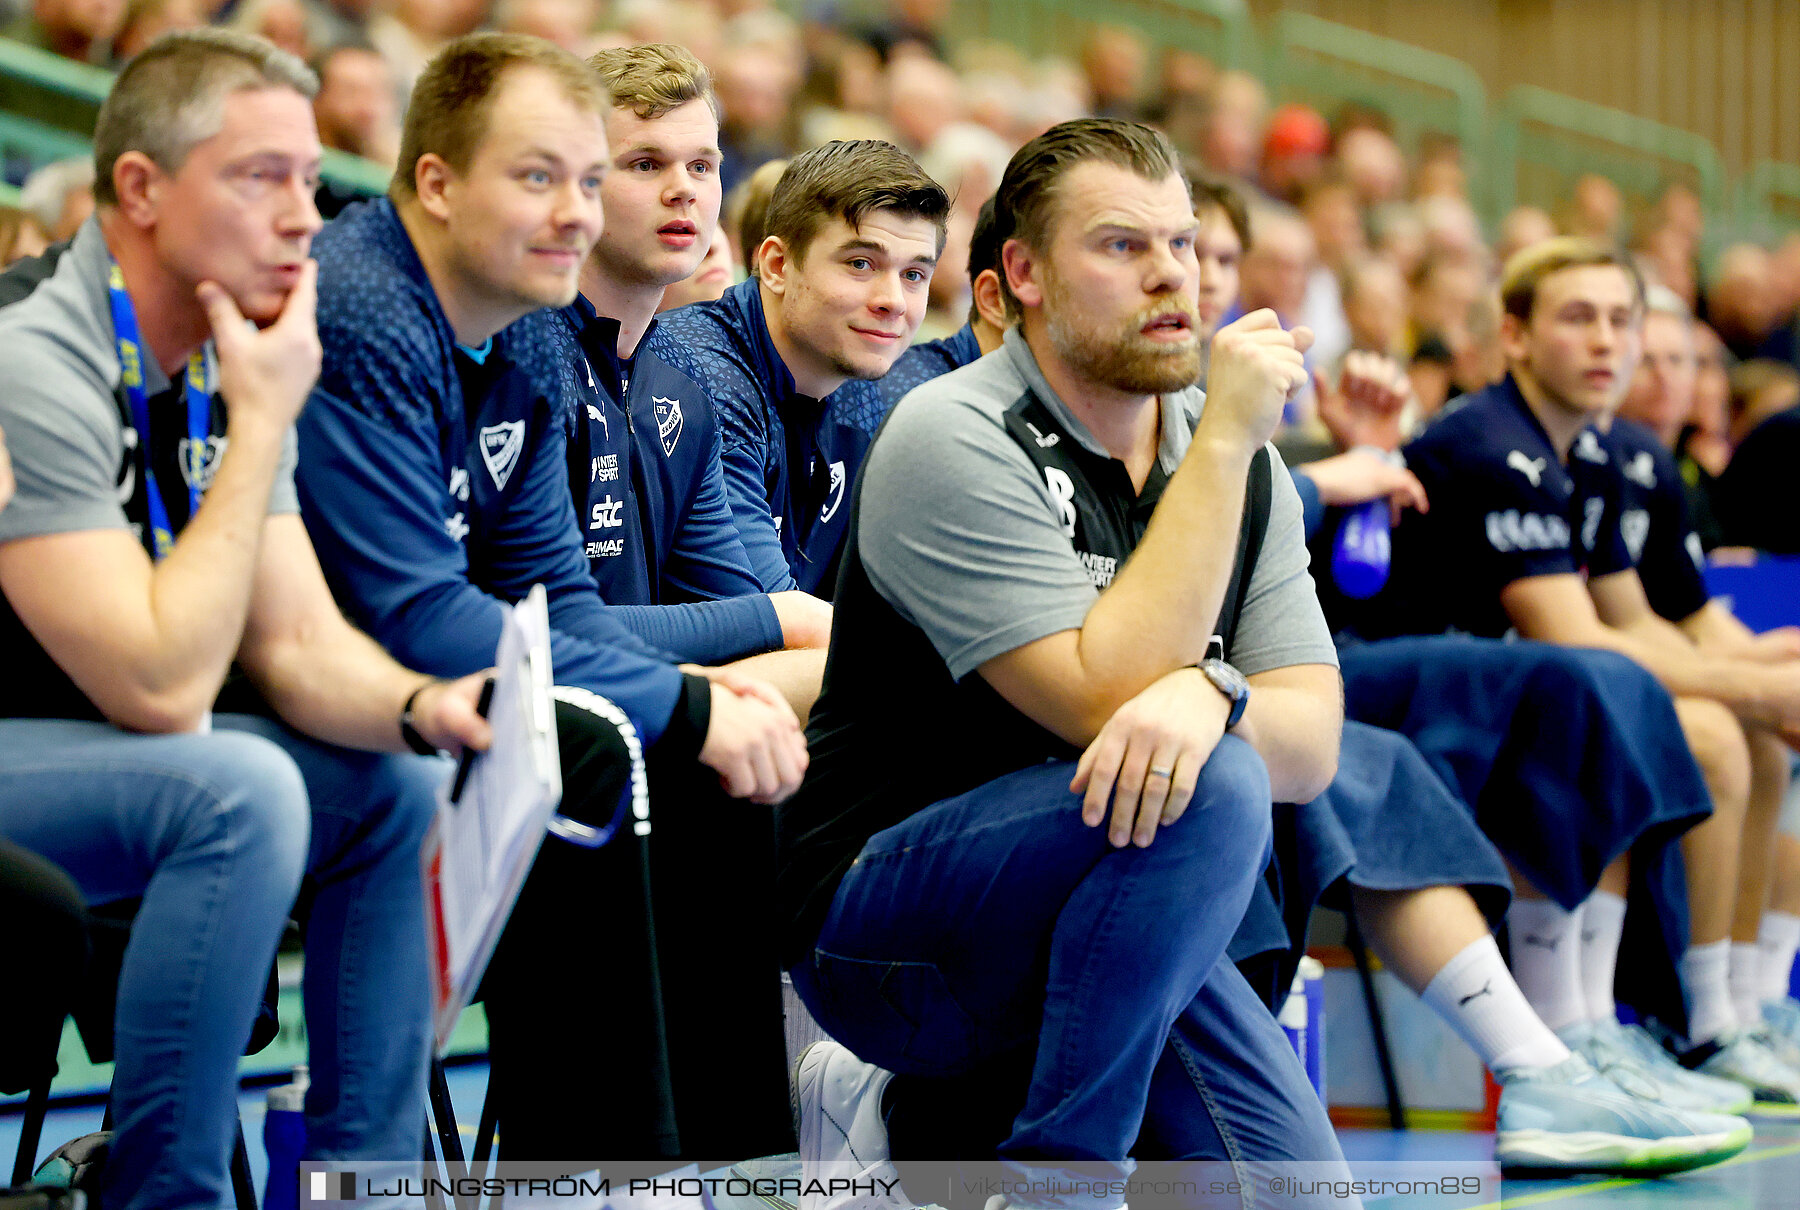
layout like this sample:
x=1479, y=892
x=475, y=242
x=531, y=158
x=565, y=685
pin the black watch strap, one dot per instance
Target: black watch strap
x=409, y=731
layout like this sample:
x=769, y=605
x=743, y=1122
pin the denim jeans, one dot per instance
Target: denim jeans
x=997, y=921
x=215, y=832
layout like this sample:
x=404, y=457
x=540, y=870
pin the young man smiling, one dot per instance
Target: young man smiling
x=789, y=357
x=434, y=479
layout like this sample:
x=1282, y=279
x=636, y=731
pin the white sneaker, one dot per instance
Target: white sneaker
x=837, y=1112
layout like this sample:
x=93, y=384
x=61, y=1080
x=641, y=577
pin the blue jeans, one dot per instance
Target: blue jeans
x=213, y=832
x=997, y=921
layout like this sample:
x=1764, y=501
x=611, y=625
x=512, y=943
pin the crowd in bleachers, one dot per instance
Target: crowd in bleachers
x=447, y=353
x=1373, y=247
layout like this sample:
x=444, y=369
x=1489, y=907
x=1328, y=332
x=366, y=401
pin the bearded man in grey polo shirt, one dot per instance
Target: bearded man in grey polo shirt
x=1041, y=780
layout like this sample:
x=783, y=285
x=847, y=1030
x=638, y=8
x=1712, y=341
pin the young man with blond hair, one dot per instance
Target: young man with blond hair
x=1525, y=534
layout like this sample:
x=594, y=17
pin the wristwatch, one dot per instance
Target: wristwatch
x=1226, y=680
x=409, y=730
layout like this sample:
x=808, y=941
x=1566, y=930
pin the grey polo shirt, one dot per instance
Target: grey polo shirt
x=987, y=517
x=74, y=449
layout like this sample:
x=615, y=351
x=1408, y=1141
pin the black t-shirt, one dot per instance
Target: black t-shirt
x=1755, y=495
x=1653, y=522
x=35, y=686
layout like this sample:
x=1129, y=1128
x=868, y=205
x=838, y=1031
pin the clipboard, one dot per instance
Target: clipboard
x=481, y=844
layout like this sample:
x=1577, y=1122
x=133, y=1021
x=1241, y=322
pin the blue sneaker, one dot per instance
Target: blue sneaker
x=1743, y=1057
x=1783, y=1018
x=1608, y=1044
x=1569, y=1117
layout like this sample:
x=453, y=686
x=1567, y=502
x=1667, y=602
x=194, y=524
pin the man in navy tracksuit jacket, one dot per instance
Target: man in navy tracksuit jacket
x=643, y=467
x=790, y=356
x=435, y=484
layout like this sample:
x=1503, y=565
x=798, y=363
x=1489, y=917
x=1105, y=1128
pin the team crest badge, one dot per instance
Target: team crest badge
x=668, y=422
x=500, y=446
x=199, y=461
x=834, y=494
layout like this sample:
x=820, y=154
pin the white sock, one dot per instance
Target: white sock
x=1744, y=977
x=1705, y=982
x=1475, y=994
x=1602, y=925
x=1546, y=959
x=1779, y=938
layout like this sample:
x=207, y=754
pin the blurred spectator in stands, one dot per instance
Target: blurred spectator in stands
x=1356, y=115
x=1662, y=391
x=1444, y=288
x=1754, y=497
x=1371, y=161
x=60, y=196
x=1440, y=172
x=1452, y=229
x=1662, y=395
x=1115, y=58
x=355, y=106
x=1595, y=208
x=694, y=24
x=1704, y=447
x=409, y=32
x=1329, y=206
x=1184, y=75
x=1481, y=361
x=1679, y=207
x=1784, y=284
x=1398, y=235
x=1057, y=93
x=1231, y=131
x=1430, y=370
x=927, y=116
x=1741, y=300
x=20, y=235
x=756, y=86
x=1666, y=255
x=745, y=215
x=336, y=22
x=282, y=22
x=1277, y=265
x=841, y=97
x=1375, y=306
x=1710, y=417
x=918, y=23
x=148, y=20
x=568, y=23
x=82, y=30
x=1522, y=227
x=1295, y=143
x=1276, y=273
x=1760, y=388
x=717, y=273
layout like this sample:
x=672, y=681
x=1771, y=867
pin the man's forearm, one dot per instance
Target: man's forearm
x=1744, y=688
x=1294, y=720
x=200, y=592
x=796, y=674
x=1159, y=614
x=336, y=684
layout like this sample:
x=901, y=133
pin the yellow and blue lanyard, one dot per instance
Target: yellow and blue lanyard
x=199, y=409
